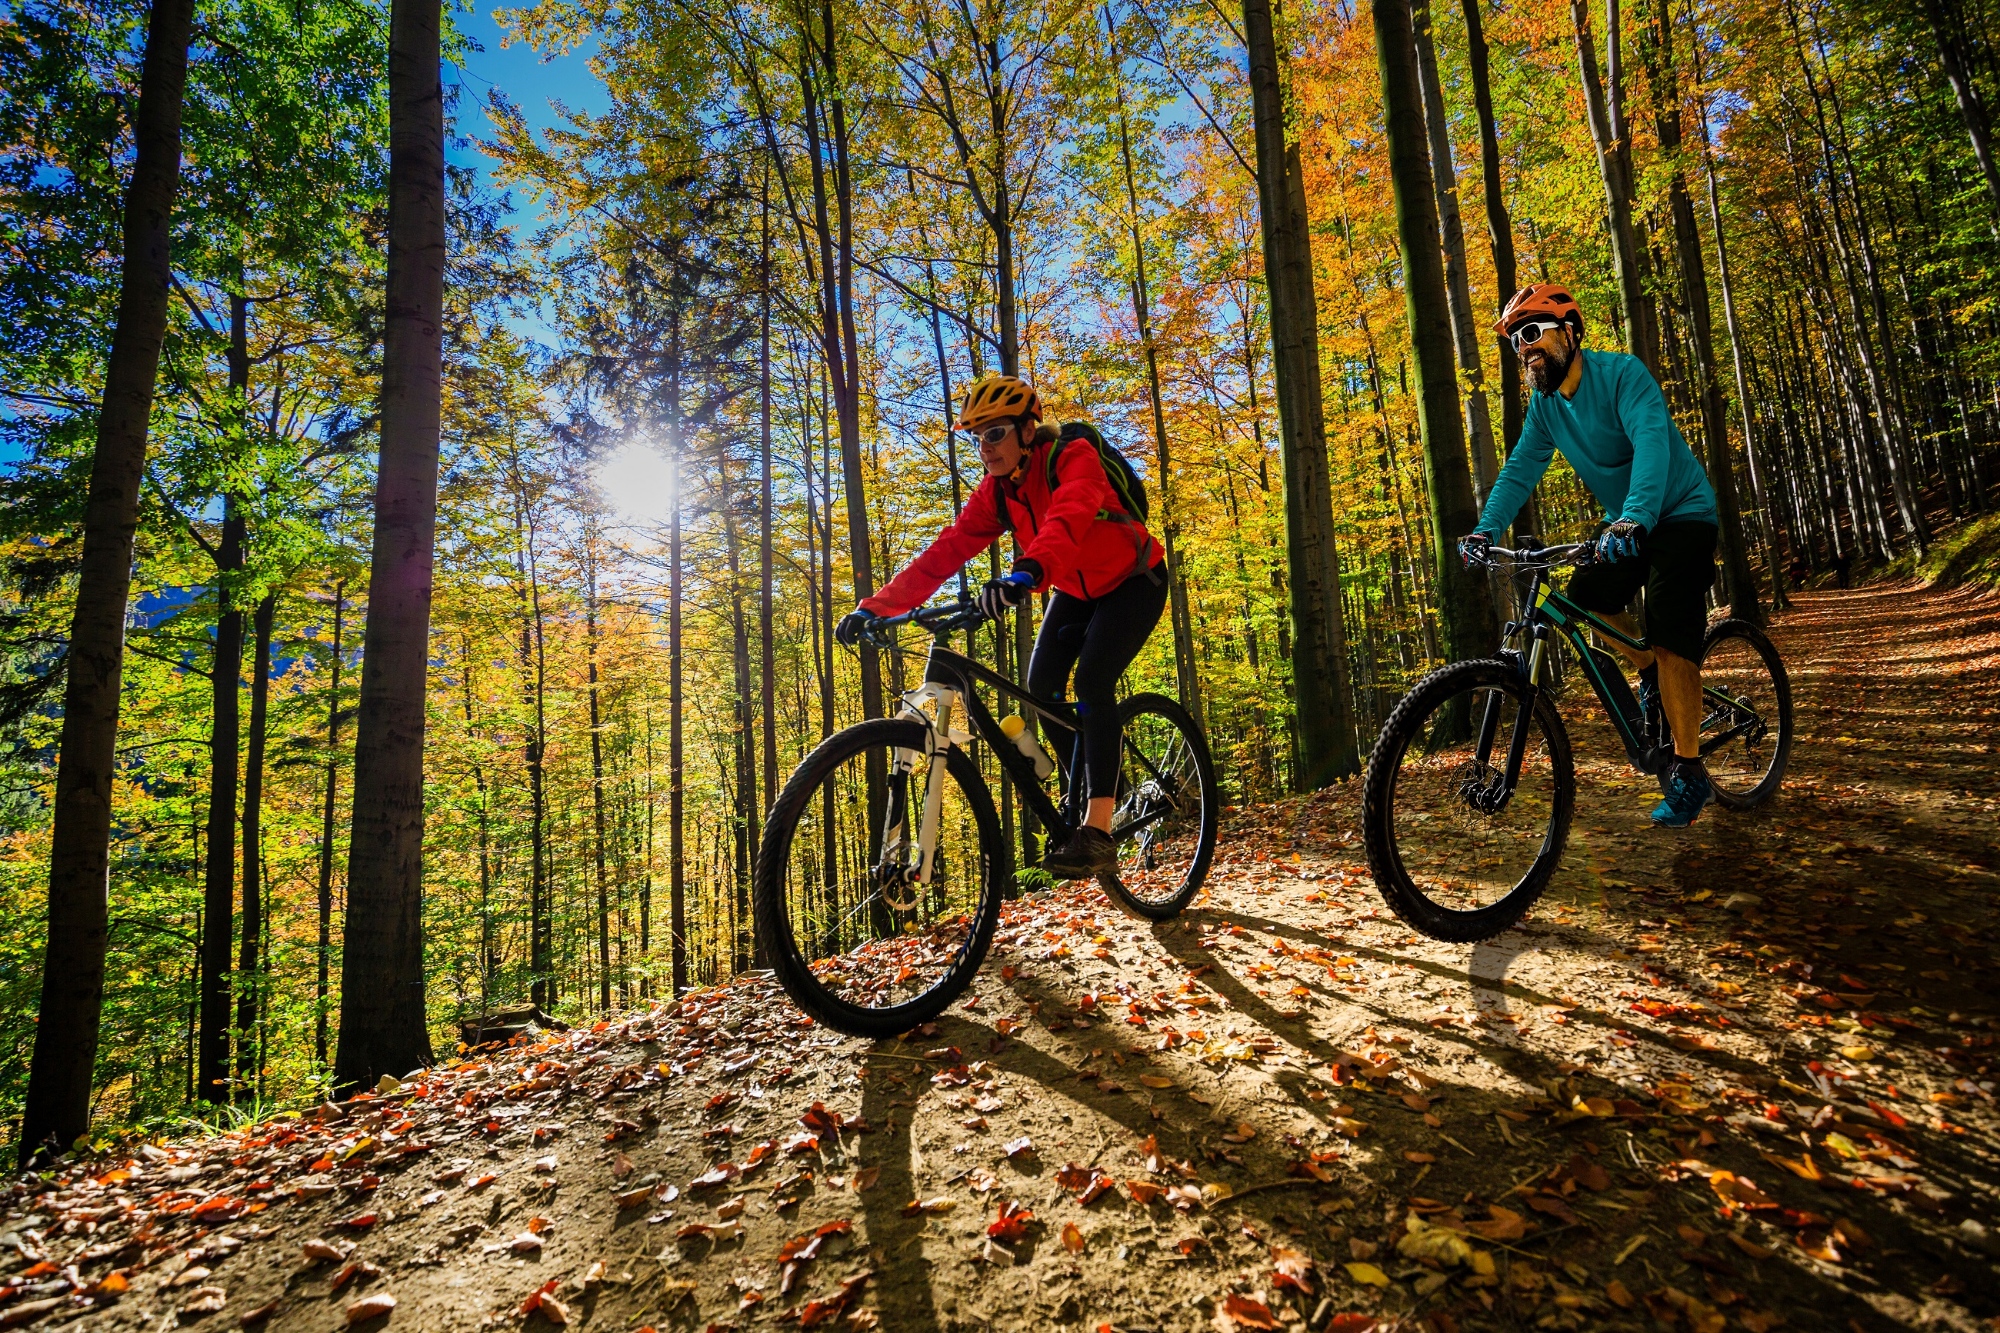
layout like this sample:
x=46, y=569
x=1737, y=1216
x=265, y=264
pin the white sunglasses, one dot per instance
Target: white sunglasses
x=1532, y=332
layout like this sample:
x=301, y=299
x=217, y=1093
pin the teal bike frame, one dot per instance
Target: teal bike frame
x=1549, y=614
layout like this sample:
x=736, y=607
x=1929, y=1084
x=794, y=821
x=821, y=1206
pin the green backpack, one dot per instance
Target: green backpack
x=1126, y=483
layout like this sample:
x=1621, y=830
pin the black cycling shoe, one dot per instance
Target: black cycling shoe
x=1085, y=854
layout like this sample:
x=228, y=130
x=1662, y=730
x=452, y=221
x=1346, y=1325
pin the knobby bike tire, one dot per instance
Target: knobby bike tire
x=1392, y=879
x=1166, y=907
x=771, y=916
x=1781, y=685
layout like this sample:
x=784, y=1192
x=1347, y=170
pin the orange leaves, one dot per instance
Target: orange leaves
x=1242, y=1312
x=1072, y=1238
x=1087, y=1183
x=1011, y=1224
x=802, y=1250
x=1291, y=1269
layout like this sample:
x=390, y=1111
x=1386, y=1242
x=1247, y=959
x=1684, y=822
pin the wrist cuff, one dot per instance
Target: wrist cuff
x=1031, y=567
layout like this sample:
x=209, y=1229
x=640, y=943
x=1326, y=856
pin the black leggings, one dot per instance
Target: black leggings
x=1099, y=638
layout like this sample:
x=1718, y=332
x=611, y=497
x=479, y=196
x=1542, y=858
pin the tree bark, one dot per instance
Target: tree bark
x=1946, y=26
x=1500, y=232
x=766, y=569
x=676, y=755
x=1738, y=579
x=219, y=863
x=597, y=778
x=72, y=992
x=1323, y=716
x=1469, y=626
x=1188, y=682
x=383, y=1028
x=250, y=980
x=1617, y=195
x=320, y=1007
x=1451, y=228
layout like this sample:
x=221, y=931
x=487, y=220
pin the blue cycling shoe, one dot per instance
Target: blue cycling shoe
x=1688, y=790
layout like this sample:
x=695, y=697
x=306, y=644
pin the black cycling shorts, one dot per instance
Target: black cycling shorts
x=1676, y=567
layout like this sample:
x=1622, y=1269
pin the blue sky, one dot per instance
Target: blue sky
x=532, y=84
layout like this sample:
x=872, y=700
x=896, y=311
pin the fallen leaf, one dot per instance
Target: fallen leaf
x=1072, y=1238
x=1367, y=1273
x=941, y=1204
x=1155, y=1081
x=1500, y=1224
x=1017, y=1147
x=1293, y=1268
x=369, y=1307
x=1011, y=1224
x=1242, y=1312
x=202, y=1300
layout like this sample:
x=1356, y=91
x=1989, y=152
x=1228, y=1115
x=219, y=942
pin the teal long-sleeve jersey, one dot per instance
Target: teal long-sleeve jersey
x=1621, y=440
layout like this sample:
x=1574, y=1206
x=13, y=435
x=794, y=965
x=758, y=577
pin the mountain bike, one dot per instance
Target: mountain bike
x=883, y=868
x=1470, y=788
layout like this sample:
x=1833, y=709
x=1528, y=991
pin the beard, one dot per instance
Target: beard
x=1546, y=373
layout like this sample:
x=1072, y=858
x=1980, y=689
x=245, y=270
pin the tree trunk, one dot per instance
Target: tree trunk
x=742, y=739
x=1470, y=629
x=534, y=681
x=219, y=862
x=597, y=777
x=1617, y=195
x=1500, y=232
x=676, y=755
x=320, y=994
x=72, y=993
x=1458, y=283
x=1738, y=579
x=766, y=573
x=1946, y=25
x=250, y=980
x=383, y=1028
x=1185, y=678
x=1323, y=718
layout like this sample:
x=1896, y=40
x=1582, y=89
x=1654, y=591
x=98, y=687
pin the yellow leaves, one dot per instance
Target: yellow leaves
x=1426, y=1243
x=1155, y=1081
x=940, y=1204
x=1802, y=1167
x=1367, y=1273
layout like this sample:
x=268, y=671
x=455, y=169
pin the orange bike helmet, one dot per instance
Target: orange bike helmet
x=1543, y=298
x=999, y=398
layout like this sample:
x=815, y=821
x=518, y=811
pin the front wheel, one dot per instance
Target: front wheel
x=1167, y=812
x=854, y=939
x=1746, y=714
x=1456, y=850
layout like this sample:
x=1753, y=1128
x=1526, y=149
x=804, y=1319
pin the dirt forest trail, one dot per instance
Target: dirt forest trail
x=1738, y=1077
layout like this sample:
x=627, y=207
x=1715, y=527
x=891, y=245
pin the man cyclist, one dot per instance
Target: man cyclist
x=1605, y=413
x=1075, y=537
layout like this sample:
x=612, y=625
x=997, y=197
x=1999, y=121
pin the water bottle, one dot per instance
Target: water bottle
x=1016, y=730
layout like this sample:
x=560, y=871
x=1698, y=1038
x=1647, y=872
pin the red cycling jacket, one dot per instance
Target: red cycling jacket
x=1076, y=539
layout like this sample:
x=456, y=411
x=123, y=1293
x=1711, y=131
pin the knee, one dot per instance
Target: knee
x=1096, y=689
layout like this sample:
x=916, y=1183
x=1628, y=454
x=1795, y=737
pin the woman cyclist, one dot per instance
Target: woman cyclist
x=1075, y=537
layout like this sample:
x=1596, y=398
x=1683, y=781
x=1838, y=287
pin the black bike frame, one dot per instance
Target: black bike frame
x=955, y=671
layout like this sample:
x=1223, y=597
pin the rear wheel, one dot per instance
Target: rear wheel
x=1746, y=715
x=1455, y=853
x=853, y=939
x=1167, y=812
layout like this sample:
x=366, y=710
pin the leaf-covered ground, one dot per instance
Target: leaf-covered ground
x=1738, y=1077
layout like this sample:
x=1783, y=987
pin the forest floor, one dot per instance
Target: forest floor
x=1733, y=1077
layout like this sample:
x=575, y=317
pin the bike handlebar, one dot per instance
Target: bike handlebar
x=1541, y=557
x=943, y=618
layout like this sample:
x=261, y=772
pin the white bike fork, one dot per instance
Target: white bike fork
x=940, y=736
